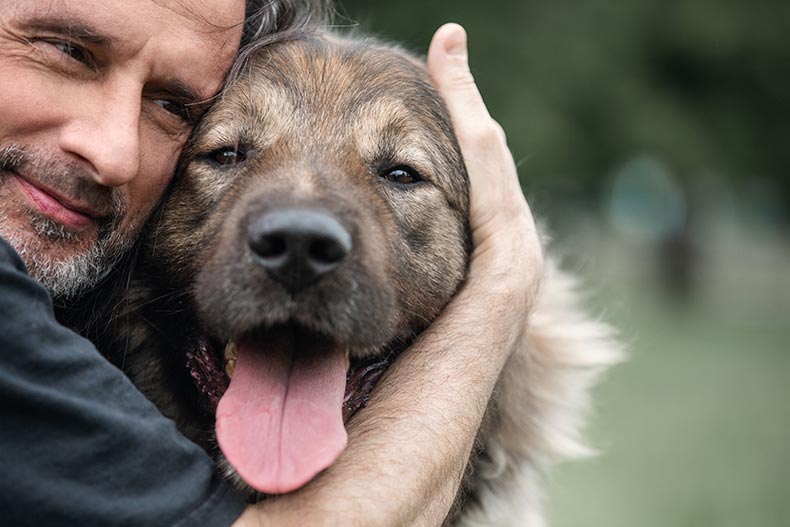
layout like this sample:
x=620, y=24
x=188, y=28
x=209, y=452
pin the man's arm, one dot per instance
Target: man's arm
x=408, y=449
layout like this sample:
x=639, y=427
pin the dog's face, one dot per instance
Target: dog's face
x=320, y=213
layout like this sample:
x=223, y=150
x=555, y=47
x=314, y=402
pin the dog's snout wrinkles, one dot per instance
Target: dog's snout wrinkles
x=297, y=247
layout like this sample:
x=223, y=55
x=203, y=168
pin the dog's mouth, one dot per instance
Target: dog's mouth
x=281, y=397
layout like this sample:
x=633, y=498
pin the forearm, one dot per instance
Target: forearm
x=431, y=407
x=411, y=445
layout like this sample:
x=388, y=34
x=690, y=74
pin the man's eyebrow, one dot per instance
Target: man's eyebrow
x=73, y=28
x=185, y=92
x=181, y=91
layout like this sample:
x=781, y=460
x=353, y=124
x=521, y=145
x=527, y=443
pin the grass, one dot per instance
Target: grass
x=695, y=428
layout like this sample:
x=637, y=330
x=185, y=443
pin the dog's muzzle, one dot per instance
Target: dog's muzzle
x=298, y=246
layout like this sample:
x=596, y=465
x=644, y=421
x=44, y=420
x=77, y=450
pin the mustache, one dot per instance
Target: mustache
x=68, y=179
x=11, y=157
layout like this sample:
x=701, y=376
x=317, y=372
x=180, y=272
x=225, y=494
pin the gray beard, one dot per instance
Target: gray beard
x=64, y=278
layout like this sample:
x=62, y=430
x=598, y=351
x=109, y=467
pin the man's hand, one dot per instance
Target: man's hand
x=507, y=252
x=409, y=448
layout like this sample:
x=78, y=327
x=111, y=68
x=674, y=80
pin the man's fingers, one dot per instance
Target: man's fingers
x=449, y=67
x=502, y=226
x=482, y=140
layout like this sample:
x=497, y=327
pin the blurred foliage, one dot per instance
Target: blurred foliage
x=581, y=87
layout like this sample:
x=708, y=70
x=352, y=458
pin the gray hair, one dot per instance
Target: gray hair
x=267, y=17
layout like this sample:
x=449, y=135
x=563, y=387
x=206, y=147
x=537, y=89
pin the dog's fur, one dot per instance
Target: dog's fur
x=321, y=120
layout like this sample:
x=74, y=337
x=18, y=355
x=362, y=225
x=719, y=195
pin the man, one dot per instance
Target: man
x=98, y=98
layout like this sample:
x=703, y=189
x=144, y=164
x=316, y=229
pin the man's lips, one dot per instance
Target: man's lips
x=66, y=212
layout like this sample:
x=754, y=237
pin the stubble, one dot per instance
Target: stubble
x=62, y=260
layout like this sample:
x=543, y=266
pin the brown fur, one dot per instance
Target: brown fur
x=321, y=119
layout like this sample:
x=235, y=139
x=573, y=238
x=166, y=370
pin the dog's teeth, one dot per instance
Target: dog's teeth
x=231, y=351
x=230, y=366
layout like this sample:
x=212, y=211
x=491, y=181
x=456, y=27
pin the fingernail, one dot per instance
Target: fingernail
x=456, y=42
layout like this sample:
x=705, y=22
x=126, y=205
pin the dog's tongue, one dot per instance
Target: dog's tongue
x=280, y=421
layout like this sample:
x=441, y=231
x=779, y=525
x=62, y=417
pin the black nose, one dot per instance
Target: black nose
x=298, y=246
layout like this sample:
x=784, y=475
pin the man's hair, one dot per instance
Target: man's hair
x=266, y=17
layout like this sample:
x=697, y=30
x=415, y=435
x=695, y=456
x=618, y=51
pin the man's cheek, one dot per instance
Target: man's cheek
x=158, y=161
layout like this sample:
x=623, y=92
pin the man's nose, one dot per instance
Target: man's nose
x=105, y=133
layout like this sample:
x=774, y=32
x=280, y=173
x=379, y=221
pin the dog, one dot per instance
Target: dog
x=317, y=224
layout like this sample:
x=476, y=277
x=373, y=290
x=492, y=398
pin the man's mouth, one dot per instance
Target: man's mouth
x=67, y=212
x=281, y=397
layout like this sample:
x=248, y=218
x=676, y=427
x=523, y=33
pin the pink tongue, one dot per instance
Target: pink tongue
x=280, y=421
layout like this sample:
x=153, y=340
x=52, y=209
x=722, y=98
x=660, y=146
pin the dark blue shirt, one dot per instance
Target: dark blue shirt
x=79, y=445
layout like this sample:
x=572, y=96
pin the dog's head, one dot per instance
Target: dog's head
x=320, y=213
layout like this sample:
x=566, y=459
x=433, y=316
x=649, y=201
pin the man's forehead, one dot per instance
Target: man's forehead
x=215, y=15
x=208, y=17
x=207, y=31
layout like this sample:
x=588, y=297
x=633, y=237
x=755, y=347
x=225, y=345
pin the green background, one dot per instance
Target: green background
x=654, y=139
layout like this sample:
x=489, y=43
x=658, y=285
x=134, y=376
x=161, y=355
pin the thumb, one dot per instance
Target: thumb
x=492, y=174
x=448, y=65
x=503, y=229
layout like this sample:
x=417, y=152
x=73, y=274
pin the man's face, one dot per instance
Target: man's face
x=98, y=97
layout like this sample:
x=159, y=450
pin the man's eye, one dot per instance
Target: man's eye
x=180, y=110
x=72, y=51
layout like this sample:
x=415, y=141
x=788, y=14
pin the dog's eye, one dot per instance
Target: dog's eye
x=402, y=175
x=229, y=155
